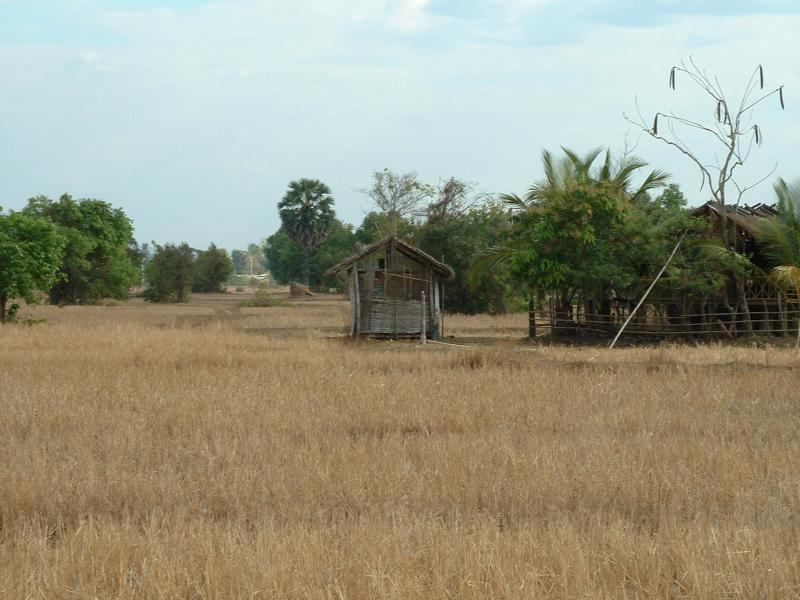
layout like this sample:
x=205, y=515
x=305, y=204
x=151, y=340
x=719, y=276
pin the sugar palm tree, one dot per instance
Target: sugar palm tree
x=307, y=215
x=781, y=239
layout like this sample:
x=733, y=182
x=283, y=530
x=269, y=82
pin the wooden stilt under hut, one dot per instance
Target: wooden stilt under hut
x=395, y=290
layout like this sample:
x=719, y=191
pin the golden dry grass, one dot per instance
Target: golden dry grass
x=205, y=451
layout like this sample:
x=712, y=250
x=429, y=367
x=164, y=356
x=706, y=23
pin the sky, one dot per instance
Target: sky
x=193, y=116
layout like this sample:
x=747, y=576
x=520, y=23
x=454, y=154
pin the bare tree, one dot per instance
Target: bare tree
x=453, y=198
x=733, y=128
x=399, y=196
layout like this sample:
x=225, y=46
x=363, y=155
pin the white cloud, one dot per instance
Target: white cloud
x=410, y=15
x=90, y=57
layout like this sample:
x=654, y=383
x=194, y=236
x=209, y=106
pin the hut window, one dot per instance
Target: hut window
x=381, y=263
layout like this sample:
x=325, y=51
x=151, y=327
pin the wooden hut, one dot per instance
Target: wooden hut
x=744, y=222
x=395, y=290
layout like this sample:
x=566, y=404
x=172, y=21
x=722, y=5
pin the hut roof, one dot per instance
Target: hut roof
x=747, y=217
x=404, y=247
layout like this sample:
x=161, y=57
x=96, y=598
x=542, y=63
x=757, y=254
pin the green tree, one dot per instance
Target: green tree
x=170, y=273
x=457, y=240
x=650, y=229
x=100, y=258
x=306, y=212
x=377, y=225
x=284, y=256
x=255, y=259
x=30, y=254
x=239, y=258
x=399, y=197
x=781, y=238
x=568, y=237
x=340, y=244
x=211, y=269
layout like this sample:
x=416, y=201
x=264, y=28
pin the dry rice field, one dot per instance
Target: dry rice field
x=211, y=451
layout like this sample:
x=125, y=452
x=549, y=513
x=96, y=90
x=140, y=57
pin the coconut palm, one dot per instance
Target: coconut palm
x=566, y=222
x=570, y=169
x=781, y=239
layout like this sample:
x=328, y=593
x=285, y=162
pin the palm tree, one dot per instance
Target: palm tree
x=307, y=215
x=568, y=177
x=573, y=169
x=781, y=239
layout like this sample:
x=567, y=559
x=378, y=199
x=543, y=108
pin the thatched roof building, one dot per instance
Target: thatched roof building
x=744, y=220
x=395, y=290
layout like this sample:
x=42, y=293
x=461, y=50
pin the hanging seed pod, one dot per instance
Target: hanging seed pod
x=757, y=131
x=761, y=76
x=672, y=78
x=655, y=125
x=719, y=110
x=780, y=95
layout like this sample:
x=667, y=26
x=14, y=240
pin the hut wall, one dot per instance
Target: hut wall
x=386, y=296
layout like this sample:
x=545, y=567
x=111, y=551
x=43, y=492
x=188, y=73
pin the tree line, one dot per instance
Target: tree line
x=583, y=234
x=81, y=251
x=451, y=220
x=586, y=232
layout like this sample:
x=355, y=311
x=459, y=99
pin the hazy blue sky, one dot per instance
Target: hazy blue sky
x=193, y=116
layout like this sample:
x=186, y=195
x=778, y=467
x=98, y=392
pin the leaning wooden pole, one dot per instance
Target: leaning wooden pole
x=652, y=285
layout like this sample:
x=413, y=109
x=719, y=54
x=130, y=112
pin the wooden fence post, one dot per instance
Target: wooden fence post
x=422, y=336
x=531, y=318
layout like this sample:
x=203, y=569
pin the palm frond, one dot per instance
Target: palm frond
x=605, y=171
x=787, y=277
x=780, y=234
x=655, y=179
x=485, y=263
x=719, y=257
x=550, y=169
x=514, y=202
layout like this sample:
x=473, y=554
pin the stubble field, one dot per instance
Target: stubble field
x=211, y=451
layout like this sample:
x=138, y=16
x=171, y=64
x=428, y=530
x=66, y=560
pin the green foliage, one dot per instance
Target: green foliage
x=101, y=259
x=30, y=254
x=585, y=232
x=377, y=225
x=240, y=262
x=567, y=242
x=307, y=216
x=211, y=269
x=285, y=257
x=457, y=240
x=696, y=273
x=170, y=273
x=456, y=227
x=397, y=196
x=781, y=237
x=250, y=261
x=261, y=299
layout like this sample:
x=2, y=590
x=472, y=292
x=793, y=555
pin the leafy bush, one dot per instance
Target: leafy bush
x=262, y=299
